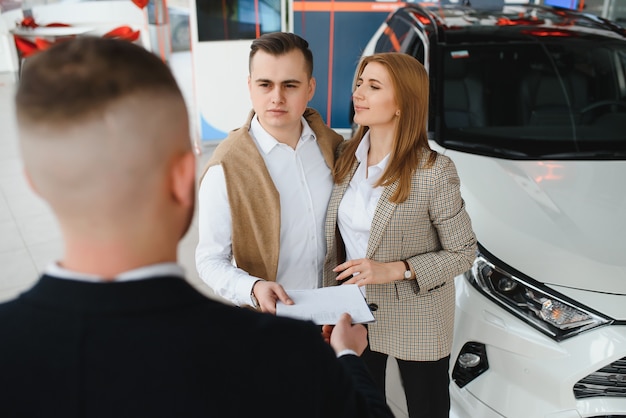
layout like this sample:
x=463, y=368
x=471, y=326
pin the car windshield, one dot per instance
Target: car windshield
x=541, y=100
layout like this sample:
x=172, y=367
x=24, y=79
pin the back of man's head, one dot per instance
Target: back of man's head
x=100, y=123
x=280, y=43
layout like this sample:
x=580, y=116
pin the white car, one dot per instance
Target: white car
x=530, y=103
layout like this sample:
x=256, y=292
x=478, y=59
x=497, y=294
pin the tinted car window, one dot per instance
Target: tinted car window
x=390, y=39
x=400, y=35
x=548, y=99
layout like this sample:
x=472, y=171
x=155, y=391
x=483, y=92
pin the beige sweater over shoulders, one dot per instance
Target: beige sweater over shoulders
x=253, y=198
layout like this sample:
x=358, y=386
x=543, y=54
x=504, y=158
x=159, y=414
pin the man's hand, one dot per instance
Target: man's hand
x=267, y=293
x=345, y=336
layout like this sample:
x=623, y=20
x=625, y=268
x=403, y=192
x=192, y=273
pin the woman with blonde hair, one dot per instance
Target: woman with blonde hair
x=397, y=226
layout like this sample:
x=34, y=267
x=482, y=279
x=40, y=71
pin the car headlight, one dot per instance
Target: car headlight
x=543, y=308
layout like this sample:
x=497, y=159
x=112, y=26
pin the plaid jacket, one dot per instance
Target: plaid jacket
x=431, y=231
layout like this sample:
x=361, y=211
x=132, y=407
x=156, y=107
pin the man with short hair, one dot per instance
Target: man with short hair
x=113, y=329
x=263, y=198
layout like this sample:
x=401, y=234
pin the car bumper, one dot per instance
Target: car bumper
x=529, y=374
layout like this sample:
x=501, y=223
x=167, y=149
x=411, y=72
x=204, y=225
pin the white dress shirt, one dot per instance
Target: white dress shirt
x=304, y=183
x=358, y=205
x=141, y=273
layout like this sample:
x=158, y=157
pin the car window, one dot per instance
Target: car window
x=399, y=36
x=557, y=98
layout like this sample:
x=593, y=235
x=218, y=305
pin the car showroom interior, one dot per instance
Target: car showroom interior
x=526, y=97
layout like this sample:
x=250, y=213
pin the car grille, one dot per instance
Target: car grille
x=608, y=381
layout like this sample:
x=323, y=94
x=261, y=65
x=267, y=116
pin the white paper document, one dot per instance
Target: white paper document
x=325, y=305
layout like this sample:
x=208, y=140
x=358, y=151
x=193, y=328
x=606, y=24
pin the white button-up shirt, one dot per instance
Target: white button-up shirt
x=304, y=183
x=358, y=205
x=146, y=272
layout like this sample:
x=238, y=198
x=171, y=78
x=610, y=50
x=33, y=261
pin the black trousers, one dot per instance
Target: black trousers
x=425, y=383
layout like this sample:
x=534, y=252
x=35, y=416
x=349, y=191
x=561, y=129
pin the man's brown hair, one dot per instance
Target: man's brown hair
x=280, y=43
x=76, y=78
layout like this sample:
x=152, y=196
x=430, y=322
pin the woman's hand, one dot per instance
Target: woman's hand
x=364, y=271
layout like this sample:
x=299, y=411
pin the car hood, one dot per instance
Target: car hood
x=562, y=223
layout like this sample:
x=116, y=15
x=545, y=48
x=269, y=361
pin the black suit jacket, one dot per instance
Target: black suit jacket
x=158, y=348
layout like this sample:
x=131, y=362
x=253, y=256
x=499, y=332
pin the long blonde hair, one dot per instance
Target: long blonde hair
x=411, y=87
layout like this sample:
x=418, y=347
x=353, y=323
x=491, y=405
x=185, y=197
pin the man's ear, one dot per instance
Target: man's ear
x=183, y=178
x=312, y=84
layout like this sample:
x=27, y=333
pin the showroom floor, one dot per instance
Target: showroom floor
x=30, y=237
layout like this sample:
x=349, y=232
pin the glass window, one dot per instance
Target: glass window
x=405, y=33
x=236, y=19
x=551, y=99
x=617, y=10
x=395, y=35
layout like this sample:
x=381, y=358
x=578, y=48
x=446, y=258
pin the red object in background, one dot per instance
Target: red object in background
x=25, y=47
x=123, y=32
x=57, y=25
x=42, y=44
x=141, y=3
x=549, y=32
x=28, y=22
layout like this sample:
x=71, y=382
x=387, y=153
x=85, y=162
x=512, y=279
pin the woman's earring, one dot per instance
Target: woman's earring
x=397, y=113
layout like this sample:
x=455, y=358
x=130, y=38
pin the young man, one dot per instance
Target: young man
x=263, y=198
x=113, y=329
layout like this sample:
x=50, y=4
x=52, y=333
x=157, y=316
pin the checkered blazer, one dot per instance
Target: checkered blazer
x=431, y=231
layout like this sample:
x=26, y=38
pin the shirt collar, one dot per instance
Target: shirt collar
x=267, y=142
x=141, y=273
x=363, y=149
x=382, y=164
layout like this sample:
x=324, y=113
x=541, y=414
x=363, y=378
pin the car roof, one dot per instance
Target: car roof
x=457, y=23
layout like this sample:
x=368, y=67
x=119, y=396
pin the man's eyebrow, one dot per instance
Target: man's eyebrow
x=265, y=80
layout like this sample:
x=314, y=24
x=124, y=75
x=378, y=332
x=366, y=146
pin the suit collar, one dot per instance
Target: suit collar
x=136, y=296
x=382, y=215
